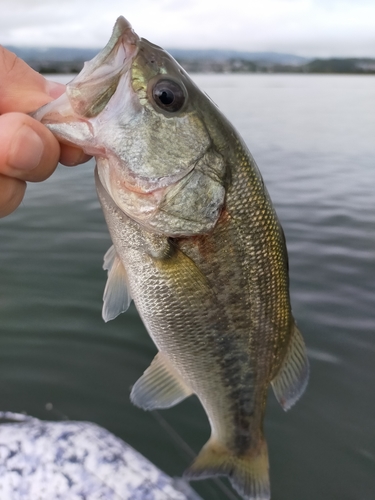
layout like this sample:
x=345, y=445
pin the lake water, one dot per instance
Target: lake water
x=313, y=138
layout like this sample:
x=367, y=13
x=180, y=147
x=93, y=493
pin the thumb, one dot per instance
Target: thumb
x=28, y=150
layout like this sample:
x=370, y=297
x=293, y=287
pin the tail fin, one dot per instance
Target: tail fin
x=248, y=473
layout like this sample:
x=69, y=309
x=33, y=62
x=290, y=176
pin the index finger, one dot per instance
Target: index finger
x=22, y=88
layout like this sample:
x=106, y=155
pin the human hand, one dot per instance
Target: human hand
x=28, y=150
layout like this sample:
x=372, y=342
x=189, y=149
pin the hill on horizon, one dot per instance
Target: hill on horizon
x=70, y=60
x=81, y=54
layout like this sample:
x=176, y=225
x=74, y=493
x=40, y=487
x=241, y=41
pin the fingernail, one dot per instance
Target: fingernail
x=26, y=149
x=77, y=159
x=55, y=89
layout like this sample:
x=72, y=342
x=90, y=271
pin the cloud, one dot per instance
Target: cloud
x=304, y=27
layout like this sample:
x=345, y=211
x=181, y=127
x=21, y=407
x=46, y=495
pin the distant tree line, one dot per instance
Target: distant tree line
x=343, y=66
x=71, y=60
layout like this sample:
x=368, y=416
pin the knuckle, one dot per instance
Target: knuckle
x=8, y=61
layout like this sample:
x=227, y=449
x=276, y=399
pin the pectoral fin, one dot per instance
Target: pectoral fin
x=291, y=381
x=116, y=298
x=160, y=386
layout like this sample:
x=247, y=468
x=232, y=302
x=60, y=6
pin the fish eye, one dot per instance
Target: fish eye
x=168, y=95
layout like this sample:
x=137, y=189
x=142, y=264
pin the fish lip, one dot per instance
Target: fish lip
x=146, y=185
x=102, y=72
x=139, y=190
x=122, y=32
x=143, y=185
x=122, y=35
x=104, y=187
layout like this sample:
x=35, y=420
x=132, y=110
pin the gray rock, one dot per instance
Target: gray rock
x=70, y=460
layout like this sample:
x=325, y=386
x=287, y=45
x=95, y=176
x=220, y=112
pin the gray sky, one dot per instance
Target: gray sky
x=321, y=28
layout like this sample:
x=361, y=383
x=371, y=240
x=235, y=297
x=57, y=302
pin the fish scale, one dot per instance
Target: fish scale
x=196, y=244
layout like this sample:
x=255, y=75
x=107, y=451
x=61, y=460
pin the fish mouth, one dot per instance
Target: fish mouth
x=68, y=117
x=79, y=116
x=91, y=90
x=102, y=111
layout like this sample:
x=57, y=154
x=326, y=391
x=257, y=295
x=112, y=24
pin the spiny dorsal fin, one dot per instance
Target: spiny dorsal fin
x=248, y=473
x=291, y=381
x=116, y=298
x=160, y=386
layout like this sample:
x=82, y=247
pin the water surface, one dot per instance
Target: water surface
x=313, y=138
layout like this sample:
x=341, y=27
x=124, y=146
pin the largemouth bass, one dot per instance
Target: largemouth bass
x=196, y=244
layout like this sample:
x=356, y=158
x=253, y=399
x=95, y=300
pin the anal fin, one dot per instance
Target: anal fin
x=116, y=297
x=160, y=386
x=291, y=380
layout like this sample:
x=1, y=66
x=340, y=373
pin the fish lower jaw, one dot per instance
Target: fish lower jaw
x=141, y=189
x=129, y=198
x=115, y=174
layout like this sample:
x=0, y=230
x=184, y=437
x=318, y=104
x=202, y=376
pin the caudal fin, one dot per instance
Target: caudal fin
x=248, y=473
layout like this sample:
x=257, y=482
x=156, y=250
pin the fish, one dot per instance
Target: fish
x=197, y=246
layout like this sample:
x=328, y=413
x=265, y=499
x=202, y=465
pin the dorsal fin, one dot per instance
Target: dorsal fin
x=116, y=297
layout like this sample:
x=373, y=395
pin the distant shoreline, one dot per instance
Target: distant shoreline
x=317, y=66
x=71, y=60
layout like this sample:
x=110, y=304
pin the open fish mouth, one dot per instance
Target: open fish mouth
x=90, y=91
x=102, y=97
x=94, y=86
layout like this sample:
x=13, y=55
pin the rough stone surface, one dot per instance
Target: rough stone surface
x=69, y=460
